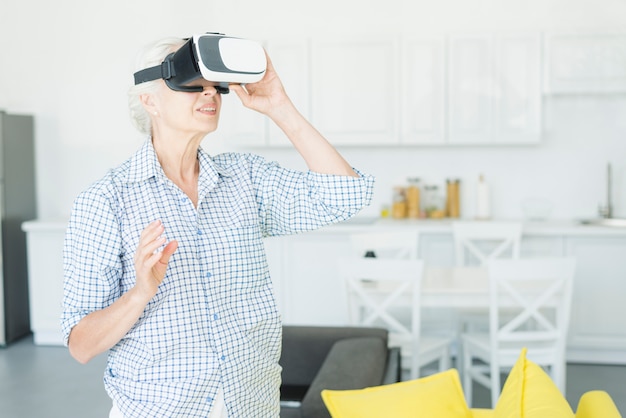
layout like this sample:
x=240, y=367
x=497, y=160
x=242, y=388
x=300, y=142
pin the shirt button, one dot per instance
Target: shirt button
x=199, y=232
x=208, y=275
x=223, y=358
x=209, y=399
x=215, y=316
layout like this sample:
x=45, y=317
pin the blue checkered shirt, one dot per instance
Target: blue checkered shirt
x=214, y=321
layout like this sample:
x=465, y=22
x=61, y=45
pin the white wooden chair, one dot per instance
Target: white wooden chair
x=530, y=302
x=386, y=292
x=385, y=244
x=477, y=242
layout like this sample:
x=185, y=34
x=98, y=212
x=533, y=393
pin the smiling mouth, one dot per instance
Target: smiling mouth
x=207, y=109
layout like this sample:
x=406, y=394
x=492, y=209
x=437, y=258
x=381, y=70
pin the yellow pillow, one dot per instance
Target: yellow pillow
x=439, y=395
x=529, y=392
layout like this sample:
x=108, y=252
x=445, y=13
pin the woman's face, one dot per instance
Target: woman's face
x=186, y=112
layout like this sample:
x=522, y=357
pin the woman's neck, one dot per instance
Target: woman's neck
x=179, y=160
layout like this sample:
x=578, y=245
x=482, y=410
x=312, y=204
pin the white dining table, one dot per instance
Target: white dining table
x=455, y=287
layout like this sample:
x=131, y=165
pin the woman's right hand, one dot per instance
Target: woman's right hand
x=102, y=329
x=150, y=263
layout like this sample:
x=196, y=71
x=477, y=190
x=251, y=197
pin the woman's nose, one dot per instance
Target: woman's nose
x=209, y=91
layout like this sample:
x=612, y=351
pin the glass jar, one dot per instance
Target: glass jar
x=453, y=198
x=413, y=198
x=398, y=206
x=433, y=202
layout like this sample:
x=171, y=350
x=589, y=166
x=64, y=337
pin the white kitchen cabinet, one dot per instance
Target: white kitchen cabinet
x=355, y=90
x=241, y=126
x=598, y=328
x=291, y=59
x=423, y=91
x=314, y=294
x=517, y=99
x=579, y=63
x=45, y=279
x=494, y=89
x=470, y=89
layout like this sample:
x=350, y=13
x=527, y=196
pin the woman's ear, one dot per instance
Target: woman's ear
x=148, y=103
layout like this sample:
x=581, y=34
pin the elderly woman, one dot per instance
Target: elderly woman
x=164, y=261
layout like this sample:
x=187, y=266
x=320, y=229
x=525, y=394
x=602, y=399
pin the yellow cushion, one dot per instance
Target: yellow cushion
x=439, y=395
x=529, y=392
x=481, y=413
x=597, y=403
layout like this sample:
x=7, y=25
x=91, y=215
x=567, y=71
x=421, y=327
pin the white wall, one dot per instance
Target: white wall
x=69, y=62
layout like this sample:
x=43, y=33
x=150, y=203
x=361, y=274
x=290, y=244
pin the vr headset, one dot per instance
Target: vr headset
x=215, y=57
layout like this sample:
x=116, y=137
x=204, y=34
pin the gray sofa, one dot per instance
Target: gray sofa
x=317, y=358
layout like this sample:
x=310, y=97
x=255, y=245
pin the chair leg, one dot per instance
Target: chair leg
x=460, y=356
x=444, y=361
x=415, y=367
x=557, y=371
x=495, y=383
x=467, y=376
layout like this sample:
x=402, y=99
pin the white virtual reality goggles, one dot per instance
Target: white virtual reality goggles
x=215, y=57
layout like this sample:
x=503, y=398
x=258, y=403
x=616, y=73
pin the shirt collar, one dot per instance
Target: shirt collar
x=144, y=165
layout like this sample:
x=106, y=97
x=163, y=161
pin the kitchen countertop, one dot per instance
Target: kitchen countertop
x=537, y=228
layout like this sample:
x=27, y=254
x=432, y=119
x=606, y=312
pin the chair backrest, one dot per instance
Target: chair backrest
x=530, y=303
x=386, y=292
x=477, y=242
x=394, y=244
x=376, y=285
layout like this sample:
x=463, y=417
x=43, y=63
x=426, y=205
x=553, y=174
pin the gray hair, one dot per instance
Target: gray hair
x=152, y=55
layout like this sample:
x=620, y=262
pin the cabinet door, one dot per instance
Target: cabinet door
x=354, y=85
x=495, y=89
x=313, y=291
x=423, y=91
x=517, y=99
x=241, y=126
x=291, y=61
x=586, y=63
x=597, y=332
x=471, y=89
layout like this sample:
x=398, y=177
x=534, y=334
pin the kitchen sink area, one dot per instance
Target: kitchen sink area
x=609, y=222
x=605, y=213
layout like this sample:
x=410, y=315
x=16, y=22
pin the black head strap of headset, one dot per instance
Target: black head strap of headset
x=166, y=71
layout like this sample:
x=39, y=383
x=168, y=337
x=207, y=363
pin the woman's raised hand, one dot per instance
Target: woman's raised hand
x=150, y=263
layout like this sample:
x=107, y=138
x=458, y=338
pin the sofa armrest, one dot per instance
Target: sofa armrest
x=393, y=371
x=352, y=363
x=597, y=404
x=305, y=349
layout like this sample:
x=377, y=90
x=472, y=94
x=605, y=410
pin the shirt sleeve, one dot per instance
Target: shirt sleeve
x=292, y=201
x=91, y=259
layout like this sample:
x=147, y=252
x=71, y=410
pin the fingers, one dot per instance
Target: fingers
x=167, y=252
x=150, y=240
x=239, y=91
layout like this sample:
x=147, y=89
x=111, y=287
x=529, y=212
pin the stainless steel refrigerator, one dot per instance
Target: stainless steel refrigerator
x=17, y=205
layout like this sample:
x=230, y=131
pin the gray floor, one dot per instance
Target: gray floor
x=45, y=382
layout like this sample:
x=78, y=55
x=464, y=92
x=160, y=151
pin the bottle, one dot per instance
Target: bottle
x=413, y=198
x=482, y=199
x=398, y=206
x=453, y=198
